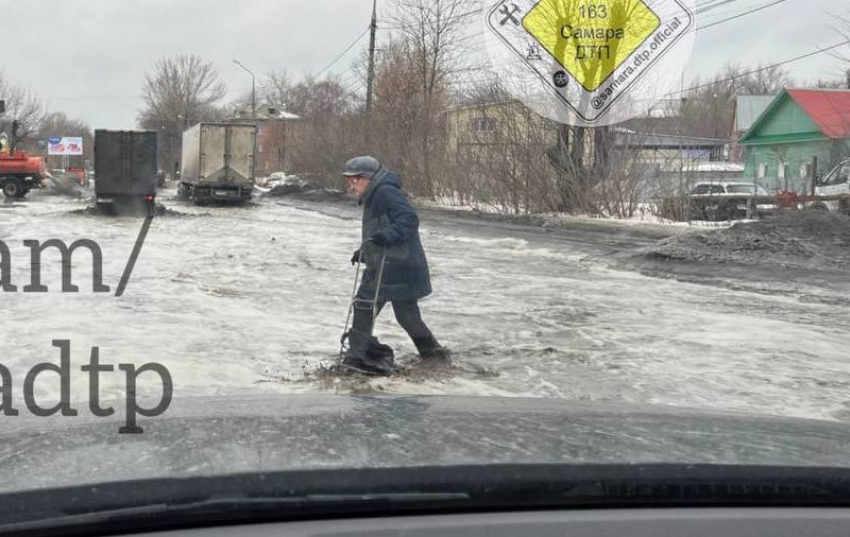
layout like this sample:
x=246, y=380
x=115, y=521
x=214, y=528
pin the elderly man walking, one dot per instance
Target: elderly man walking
x=390, y=231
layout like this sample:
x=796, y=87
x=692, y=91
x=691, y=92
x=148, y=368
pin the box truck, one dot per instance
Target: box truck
x=126, y=165
x=218, y=163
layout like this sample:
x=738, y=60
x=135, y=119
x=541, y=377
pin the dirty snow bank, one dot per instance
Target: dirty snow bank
x=812, y=240
x=303, y=189
x=644, y=213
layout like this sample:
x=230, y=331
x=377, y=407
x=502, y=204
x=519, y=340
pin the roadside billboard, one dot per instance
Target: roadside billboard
x=65, y=146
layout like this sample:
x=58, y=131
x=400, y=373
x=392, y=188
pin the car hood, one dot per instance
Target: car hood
x=202, y=437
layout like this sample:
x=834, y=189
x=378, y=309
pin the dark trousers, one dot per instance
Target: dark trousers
x=406, y=313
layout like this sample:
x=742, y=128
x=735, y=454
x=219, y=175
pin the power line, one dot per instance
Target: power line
x=344, y=52
x=765, y=68
x=744, y=14
x=708, y=6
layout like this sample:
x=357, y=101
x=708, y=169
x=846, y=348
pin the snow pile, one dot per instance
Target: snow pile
x=277, y=178
x=795, y=239
x=303, y=189
x=645, y=213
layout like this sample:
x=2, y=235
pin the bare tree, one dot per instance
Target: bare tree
x=22, y=105
x=277, y=91
x=320, y=100
x=707, y=111
x=432, y=32
x=59, y=124
x=330, y=130
x=179, y=92
x=842, y=27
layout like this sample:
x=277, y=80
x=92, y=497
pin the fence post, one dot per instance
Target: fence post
x=814, y=181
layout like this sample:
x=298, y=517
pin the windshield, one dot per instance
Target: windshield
x=745, y=189
x=285, y=235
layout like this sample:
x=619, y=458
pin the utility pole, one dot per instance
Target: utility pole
x=14, y=140
x=370, y=80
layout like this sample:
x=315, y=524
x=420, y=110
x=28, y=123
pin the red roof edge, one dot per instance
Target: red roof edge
x=829, y=109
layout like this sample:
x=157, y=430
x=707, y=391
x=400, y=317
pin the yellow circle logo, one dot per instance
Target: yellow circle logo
x=591, y=39
x=585, y=62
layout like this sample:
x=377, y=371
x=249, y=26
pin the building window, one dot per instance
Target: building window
x=483, y=124
x=762, y=170
x=780, y=172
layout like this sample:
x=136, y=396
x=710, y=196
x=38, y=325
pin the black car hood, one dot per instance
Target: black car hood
x=202, y=437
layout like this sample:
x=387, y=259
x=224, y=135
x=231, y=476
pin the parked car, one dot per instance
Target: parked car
x=725, y=200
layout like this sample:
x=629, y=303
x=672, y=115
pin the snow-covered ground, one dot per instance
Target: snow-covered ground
x=236, y=300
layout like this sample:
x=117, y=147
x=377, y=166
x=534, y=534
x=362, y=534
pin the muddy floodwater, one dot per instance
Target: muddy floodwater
x=253, y=300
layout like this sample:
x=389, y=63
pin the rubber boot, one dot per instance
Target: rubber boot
x=431, y=350
x=366, y=355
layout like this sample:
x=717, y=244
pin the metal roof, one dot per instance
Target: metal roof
x=635, y=139
x=748, y=108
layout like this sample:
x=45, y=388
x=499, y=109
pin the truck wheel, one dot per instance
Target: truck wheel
x=203, y=196
x=12, y=188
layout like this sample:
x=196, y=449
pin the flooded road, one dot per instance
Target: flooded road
x=253, y=300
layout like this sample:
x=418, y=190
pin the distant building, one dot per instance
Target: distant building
x=668, y=161
x=671, y=152
x=488, y=126
x=748, y=108
x=797, y=126
x=275, y=130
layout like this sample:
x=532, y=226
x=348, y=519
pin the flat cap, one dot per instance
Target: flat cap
x=362, y=166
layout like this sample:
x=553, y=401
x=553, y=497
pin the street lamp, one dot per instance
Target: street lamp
x=254, y=90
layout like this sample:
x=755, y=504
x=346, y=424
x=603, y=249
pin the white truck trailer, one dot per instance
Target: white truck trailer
x=218, y=163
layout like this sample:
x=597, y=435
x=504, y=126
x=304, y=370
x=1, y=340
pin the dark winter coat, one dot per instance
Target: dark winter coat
x=386, y=211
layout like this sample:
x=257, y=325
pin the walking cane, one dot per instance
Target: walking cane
x=355, y=300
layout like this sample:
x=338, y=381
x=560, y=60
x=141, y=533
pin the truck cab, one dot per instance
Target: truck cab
x=834, y=188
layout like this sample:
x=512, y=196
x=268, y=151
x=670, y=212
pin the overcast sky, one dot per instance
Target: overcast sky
x=88, y=57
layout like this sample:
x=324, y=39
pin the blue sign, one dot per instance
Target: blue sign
x=55, y=140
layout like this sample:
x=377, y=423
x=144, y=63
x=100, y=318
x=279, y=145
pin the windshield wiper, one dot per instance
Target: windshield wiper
x=220, y=511
x=304, y=495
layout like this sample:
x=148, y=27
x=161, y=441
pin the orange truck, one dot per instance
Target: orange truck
x=20, y=173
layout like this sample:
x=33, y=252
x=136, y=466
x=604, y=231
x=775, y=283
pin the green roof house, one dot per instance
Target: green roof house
x=797, y=126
